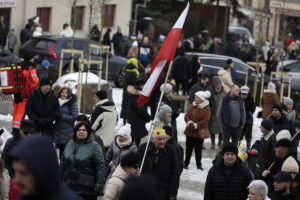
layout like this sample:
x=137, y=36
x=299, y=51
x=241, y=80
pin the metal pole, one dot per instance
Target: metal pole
x=136, y=14
x=246, y=78
x=151, y=124
x=61, y=63
x=106, y=67
x=262, y=85
x=226, y=22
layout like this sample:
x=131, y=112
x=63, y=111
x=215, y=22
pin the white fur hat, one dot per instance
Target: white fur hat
x=284, y=134
x=166, y=89
x=203, y=95
x=290, y=165
x=271, y=86
x=125, y=131
x=245, y=89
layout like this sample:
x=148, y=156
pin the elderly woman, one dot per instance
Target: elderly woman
x=197, y=119
x=122, y=145
x=68, y=112
x=269, y=99
x=258, y=190
x=83, y=166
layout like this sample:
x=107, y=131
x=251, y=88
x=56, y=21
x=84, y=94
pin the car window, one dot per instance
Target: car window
x=80, y=45
x=240, y=67
x=295, y=67
x=215, y=62
x=44, y=44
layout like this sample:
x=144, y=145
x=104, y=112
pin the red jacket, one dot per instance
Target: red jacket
x=30, y=81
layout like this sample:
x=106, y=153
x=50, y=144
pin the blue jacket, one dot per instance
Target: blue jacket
x=39, y=155
x=65, y=125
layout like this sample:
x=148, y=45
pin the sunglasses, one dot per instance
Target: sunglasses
x=244, y=94
x=136, y=167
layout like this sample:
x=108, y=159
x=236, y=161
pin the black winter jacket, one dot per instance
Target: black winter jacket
x=277, y=196
x=199, y=87
x=179, y=151
x=250, y=109
x=182, y=69
x=164, y=167
x=43, y=109
x=232, y=186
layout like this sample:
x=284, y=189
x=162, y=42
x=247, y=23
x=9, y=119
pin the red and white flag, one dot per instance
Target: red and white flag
x=165, y=54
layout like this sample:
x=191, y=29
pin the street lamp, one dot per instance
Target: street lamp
x=136, y=14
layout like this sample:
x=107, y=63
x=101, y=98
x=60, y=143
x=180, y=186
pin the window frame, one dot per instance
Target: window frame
x=40, y=13
x=80, y=17
x=109, y=18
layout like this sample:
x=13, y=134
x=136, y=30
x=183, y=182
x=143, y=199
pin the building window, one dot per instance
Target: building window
x=44, y=14
x=109, y=15
x=77, y=17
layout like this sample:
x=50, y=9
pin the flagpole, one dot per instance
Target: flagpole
x=152, y=122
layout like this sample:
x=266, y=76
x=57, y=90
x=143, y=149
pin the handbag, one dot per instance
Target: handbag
x=203, y=133
x=86, y=180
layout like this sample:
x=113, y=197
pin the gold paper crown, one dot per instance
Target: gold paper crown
x=158, y=129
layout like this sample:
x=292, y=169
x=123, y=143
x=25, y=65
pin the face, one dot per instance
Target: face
x=168, y=115
x=280, y=151
x=159, y=141
x=253, y=195
x=294, y=175
x=145, y=40
x=169, y=94
x=23, y=178
x=276, y=113
x=229, y=158
x=122, y=139
x=263, y=130
x=45, y=89
x=132, y=169
x=204, y=80
x=96, y=99
x=64, y=94
x=235, y=91
x=218, y=87
x=197, y=100
x=290, y=107
x=244, y=95
x=281, y=186
x=81, y=133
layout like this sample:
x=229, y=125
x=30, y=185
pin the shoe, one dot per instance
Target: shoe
x=201, y=168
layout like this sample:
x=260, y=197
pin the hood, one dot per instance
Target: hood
x=120, y=174
x=39, y=155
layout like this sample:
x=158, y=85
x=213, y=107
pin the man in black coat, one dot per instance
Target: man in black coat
x=36, y=168
x=228, y=178
x=27, y=128
x=43, y=108
x=202, y=85
x=162, y=163
x=3, y=31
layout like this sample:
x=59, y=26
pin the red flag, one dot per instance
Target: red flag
x=165, y=54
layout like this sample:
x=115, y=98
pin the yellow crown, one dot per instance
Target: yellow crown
x=158, y=130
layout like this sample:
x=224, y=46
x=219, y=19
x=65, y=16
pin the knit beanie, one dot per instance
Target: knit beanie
x=230, y=147
x=283, y=134
x=229, y=61
x=287, y=101
x=166, y=89
x=278, y=107
x=101, y=94
x=130, y=159
x=165, y=109
x=290, y=165
x=45, y=81
x=267, y=124
x=271, y=86
x=245, y=89
x=125, y=131
x=216, y=80
x=203, y=95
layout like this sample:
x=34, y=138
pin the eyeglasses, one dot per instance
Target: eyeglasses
x=244, y=94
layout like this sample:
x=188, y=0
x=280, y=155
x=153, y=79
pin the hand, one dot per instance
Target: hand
x=265, y=173
x=195, y=126
x=254, y=151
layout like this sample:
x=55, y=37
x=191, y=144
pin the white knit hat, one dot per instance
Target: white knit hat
x=245, y=89
x=203, y=95
x=271, y=86
x=283, y=134
x=166, y=89
x=287, y=101
x=290, y=165
x=125, y=131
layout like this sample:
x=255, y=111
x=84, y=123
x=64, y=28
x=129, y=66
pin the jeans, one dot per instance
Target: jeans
x=233, y=133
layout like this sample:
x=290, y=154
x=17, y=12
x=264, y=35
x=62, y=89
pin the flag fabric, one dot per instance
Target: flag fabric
x=165, y=54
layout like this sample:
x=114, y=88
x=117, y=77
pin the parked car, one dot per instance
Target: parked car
x=241, y=31
x=50, y=46
x=292, y=67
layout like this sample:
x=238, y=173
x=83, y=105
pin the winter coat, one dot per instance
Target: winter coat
x=104, y=119
x=115, y=152
x=4, y=185
x=83, y=157
x=266, y=154
x=64, y=126
x=268, y=100
x=116, y=40
x=198, y=115
x=145, y=52
x=179, y=151
x=3, y=34
x=43, y=109
x=226, y=79
x=30, y=81
x=12, y=41
x=182, y=69
x=39, y=155
x=175, y=112
x=250, y=109
x=214, y=125
x=227, y=183
x=25, y=34
x=137, y=117
x=281, y=124
x=131, y=75
x=278, y=196
x=164, y=167
x=199, y=87
x=115, y=184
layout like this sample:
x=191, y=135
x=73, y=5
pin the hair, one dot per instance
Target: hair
x=82, y=118
x=86, y=125
x=260, y=187
x=66, y=25
x=233, y=86
x=227, y=66
x=69, y=91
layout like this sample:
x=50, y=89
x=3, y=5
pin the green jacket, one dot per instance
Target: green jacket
x=89, y=160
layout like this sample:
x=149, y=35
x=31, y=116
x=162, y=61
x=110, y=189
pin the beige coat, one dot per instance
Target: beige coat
x=226, y=79
x=4, y=185
x=115, y=185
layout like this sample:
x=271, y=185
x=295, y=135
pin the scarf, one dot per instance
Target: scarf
x=201, y=105
x=62, y=101
x=123, y=144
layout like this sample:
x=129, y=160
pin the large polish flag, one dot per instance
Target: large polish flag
x=165, y=54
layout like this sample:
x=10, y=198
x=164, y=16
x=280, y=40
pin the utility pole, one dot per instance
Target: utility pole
x=136, y=14
x=227, y=11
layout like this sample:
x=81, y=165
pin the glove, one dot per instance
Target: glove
x=195, y=125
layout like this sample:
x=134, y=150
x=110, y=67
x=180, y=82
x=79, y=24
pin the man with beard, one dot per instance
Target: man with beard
x=282, y=184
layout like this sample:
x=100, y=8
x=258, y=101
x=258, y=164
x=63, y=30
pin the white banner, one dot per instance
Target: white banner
x=8, y=3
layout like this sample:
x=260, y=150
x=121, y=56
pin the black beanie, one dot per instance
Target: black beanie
x=45, y=81
x=101, y=94
x=267, y=124
x=229, y=61
x=130, y=159
x=278, y=107
x=283, y=143
x=168, y=130
x=230, y=147
x=27, y=125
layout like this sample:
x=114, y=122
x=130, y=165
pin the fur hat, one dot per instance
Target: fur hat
x=287, y=101
x=271, y=86
x=166, y=89
x=283, y=134
x=230, y=147
x=267, y=124
x=290, y=165
x=125, y=131
x=203, y=95
x=245, y=89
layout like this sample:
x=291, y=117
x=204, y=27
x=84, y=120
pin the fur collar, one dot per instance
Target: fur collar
x=270, y=91
x=201, y=105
